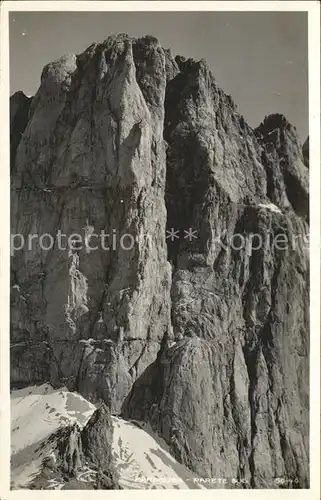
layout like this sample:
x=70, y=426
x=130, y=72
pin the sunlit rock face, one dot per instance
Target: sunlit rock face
x=92, y=159
x=206, y=338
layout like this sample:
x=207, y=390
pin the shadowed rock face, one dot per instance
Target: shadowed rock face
x=306, y=152
x=97, y=436
x=228, y=396
x=113, y=135
x=19, y=111
x=287, y=175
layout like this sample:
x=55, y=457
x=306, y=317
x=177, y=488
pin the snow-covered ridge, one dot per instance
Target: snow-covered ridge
x=141, y=458
x=38, y=411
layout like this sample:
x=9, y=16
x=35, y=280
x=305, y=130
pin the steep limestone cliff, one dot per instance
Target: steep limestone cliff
x=77, y=452
x=207, y=339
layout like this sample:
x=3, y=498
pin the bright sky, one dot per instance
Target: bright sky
x=260, y=58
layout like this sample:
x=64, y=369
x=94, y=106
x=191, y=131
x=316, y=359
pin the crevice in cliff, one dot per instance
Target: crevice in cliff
x=134, y=368
x=19, y=119
x=251, y=351
x=251, y=358
x=236, y=418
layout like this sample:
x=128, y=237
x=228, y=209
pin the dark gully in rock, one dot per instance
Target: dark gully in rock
x=198, y=324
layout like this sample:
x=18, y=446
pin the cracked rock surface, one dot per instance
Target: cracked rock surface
x=205, y=338
x=92, y=159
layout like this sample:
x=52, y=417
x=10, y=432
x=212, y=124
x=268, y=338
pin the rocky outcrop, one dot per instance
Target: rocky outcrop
x=207, y=339
x=80, y=452
x=97, y=436
x=287, y=175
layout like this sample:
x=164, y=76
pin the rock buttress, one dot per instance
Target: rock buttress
x=232, y=392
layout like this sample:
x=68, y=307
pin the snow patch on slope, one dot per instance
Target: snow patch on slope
x=271, y=207
x=141, y=458
x=38, y=411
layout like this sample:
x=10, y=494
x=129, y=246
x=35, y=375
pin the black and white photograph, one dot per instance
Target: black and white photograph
x=161, y=195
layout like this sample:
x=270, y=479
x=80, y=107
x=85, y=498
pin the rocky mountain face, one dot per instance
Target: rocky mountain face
x=201, y=327
x=92, y=159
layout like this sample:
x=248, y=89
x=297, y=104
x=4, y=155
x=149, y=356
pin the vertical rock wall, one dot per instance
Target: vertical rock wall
x=206, y=338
